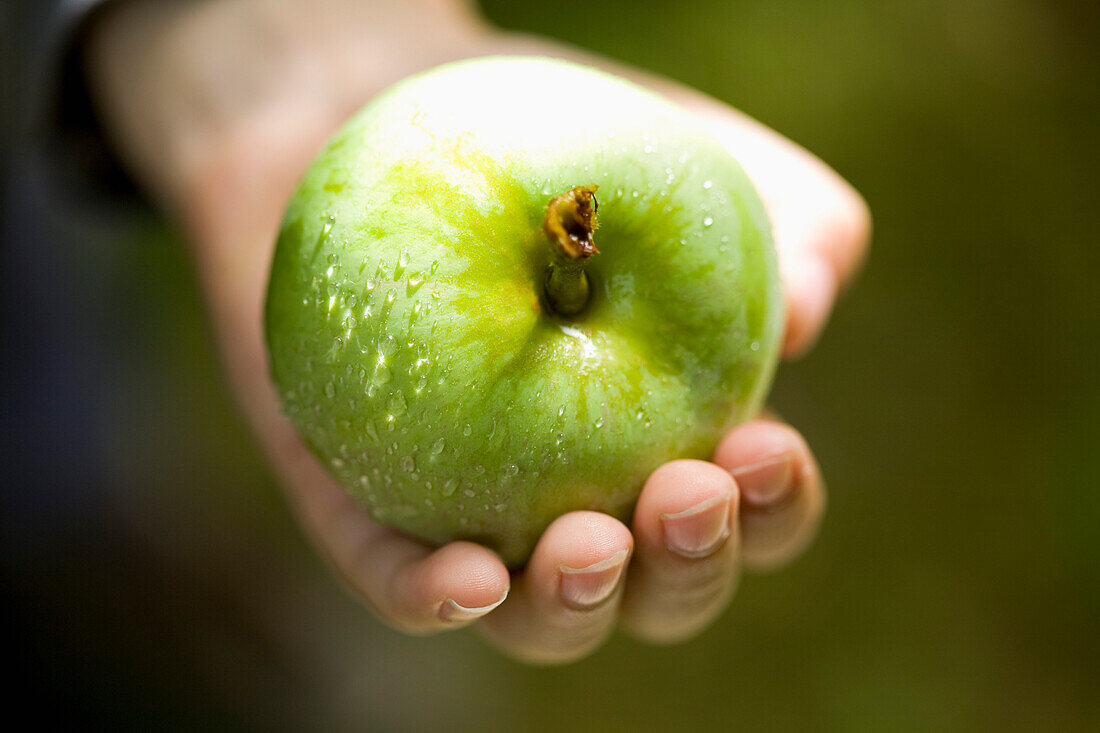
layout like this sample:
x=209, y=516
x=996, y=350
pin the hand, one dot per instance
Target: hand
x=217, y=108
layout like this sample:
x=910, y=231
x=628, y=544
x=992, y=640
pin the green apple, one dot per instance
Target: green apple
x=510, y=288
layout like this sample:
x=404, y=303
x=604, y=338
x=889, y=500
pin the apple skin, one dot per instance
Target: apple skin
x=408, y=331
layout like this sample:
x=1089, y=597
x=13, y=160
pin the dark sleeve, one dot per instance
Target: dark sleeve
x=55, y=121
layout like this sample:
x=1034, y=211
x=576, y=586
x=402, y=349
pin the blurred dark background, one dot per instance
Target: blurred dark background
x=152, y=575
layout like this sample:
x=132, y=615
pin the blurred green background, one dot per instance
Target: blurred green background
x=953, y=405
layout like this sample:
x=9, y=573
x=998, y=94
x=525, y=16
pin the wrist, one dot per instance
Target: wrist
x=175, y=82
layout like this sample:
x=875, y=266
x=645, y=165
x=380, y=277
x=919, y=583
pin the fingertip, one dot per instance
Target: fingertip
x=471, y=575
x=766, y=458
x=752, y=441
x=453, y=585
x=686, y=506
x=681, y=484
x=782, y=490
x=579, y=540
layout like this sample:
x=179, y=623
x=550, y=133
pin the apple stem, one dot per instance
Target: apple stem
x=569, y=224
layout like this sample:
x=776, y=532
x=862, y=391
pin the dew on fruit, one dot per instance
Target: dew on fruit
x=755, y=346
x=707, y=184
x=449, y=487
x=599, y=422
x=402, y=263
x=434, y=267
x=511, y=470
x=326, y=229
x=479, y=469
x=469, y=493
x=381, y=374
x=330, y=389
x=413, y=283
x=467, y=430
x=708, y=221
x=438, y=446
x=397, y=404
x=372, y=433
x=408, y=463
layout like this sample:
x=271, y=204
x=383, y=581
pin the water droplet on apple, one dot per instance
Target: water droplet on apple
x=599, y=422
x=402, y=263
x=511, y=470
x=467, y=430
x=413, y=283
x=707, y=184
x=397, y=404
x=408, y=463
x=438, y=446
x=708, y=221
x=449, y=487
x=381, y=375
x=330, y=389
x=372, y=433
x=755, y=346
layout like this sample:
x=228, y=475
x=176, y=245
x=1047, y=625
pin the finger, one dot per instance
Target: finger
x=565, y=603
x=782, y=493
x=685, y=566
x=407, y=584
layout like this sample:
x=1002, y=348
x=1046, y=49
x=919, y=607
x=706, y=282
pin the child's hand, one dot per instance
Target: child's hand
x=218, y=108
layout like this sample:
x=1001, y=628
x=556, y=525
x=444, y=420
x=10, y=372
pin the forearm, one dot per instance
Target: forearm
x=174, y=81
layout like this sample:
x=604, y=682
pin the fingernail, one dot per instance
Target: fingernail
x=767, y=482
x=587, y=587
x=699, y=530
x=452, y=611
